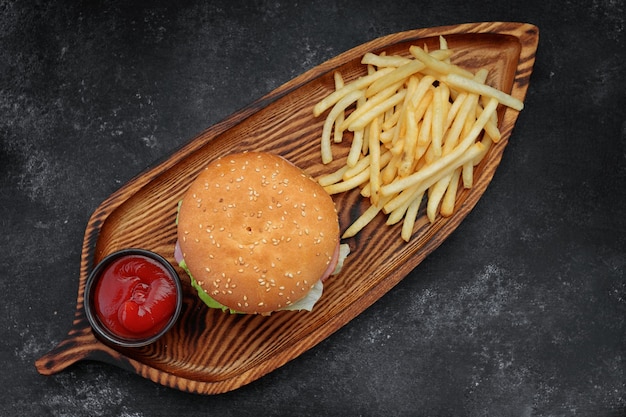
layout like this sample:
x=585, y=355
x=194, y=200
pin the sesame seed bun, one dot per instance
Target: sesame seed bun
x=256, y=232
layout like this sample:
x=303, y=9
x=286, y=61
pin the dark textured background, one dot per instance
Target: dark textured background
x=521, y=312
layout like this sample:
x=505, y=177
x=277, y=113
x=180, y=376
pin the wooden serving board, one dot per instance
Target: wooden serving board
x=210, y=352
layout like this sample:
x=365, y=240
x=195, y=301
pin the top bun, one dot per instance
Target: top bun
x=256, y=232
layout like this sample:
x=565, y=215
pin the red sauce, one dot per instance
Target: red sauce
x=135, y=297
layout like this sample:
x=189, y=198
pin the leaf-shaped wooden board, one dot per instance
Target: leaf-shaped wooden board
x=211, y=352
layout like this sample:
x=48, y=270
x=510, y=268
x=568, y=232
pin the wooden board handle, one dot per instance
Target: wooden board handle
x=80, y=344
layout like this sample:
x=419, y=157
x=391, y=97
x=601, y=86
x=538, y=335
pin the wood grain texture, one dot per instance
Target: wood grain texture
x=209, y=352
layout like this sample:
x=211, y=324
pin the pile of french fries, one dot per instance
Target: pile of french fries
x=419, y=124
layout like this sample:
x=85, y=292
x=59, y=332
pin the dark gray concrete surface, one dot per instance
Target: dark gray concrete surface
x=521, y=312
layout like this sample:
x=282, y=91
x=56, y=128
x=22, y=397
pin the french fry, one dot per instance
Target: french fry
x=355, y=148
x=391, y=121
x=443, y=43
x=435, y=195
x=472, y=86
x=398, y=214
x=362, y=221
x=333, y=177
x=396, y=75
x=467, y=173
x=449, y=198
x=374, y=151
x=423, y=137
x=441, y=54
x=338, y=134
x=439, y=119
x=339, y=108
x=454, y=108
x=409, y=218
x=410, y=143
x=349, y=184
x=390, y=171
x=423, y=104
x=379, y=61
x=425, y=85
x=458, y=125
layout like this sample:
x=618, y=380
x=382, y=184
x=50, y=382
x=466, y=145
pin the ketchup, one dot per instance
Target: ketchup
x=135, y=297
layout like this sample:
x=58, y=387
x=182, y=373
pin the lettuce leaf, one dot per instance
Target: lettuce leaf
x=305, y=303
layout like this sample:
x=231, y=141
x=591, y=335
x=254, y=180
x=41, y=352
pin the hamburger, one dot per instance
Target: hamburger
x=257, y=235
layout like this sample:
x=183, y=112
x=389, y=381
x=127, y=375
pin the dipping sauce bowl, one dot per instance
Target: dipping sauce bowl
x=133, y=297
